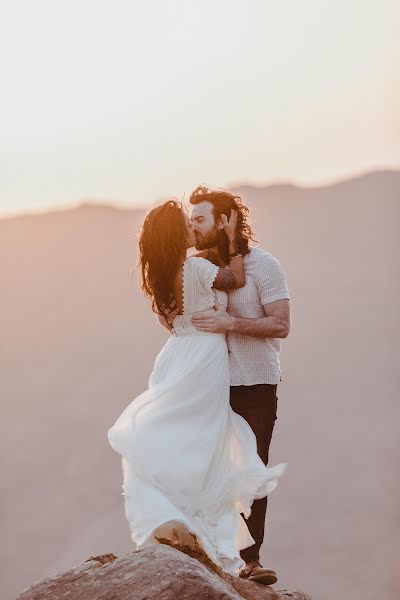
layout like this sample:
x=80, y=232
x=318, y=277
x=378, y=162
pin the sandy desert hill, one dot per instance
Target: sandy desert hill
x=78, y=341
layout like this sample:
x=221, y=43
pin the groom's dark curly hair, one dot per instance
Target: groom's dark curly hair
x=223, y=202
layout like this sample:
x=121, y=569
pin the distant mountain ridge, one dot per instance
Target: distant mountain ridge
x=373, y=177
x=366, y=176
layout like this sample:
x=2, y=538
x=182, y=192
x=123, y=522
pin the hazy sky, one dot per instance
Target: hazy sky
x=135, y=101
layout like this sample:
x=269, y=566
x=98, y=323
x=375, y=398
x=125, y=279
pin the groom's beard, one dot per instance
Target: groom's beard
x=208, y=240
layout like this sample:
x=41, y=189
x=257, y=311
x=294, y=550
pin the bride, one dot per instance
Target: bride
x=190, y=464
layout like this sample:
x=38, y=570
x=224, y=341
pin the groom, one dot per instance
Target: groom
x=257, y=316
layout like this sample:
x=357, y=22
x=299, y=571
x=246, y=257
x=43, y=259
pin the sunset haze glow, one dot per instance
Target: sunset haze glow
x=136, y=101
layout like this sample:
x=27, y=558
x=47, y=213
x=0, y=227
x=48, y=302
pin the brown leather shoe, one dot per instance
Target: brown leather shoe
x=255, y=572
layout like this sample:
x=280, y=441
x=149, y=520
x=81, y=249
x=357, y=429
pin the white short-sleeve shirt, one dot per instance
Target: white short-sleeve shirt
x=256, y=360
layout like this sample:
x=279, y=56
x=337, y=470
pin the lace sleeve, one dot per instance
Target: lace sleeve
x=207, y=272
x=197, y=284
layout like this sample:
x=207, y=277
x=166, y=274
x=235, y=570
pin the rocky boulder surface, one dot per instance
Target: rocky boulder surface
x=160, y=572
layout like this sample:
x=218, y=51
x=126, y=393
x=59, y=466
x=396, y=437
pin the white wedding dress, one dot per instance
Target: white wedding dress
x=188, y=460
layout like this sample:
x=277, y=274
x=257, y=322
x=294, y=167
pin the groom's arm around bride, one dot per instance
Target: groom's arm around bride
x=275, y=323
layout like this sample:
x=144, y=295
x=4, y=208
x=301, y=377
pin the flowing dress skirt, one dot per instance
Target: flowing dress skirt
x=187, y=458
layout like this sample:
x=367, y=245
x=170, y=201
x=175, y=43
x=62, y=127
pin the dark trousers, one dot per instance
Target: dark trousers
x=258, y=405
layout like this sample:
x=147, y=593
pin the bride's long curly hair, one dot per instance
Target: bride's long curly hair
x=162, y=249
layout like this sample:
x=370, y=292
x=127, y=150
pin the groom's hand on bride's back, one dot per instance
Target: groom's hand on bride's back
x=217, y=322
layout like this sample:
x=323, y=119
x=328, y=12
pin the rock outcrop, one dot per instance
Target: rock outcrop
x=158, y=572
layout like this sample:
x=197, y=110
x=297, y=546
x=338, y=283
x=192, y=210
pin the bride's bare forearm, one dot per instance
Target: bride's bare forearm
x=231, y=277
x=236, y=264
x=232, y=247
